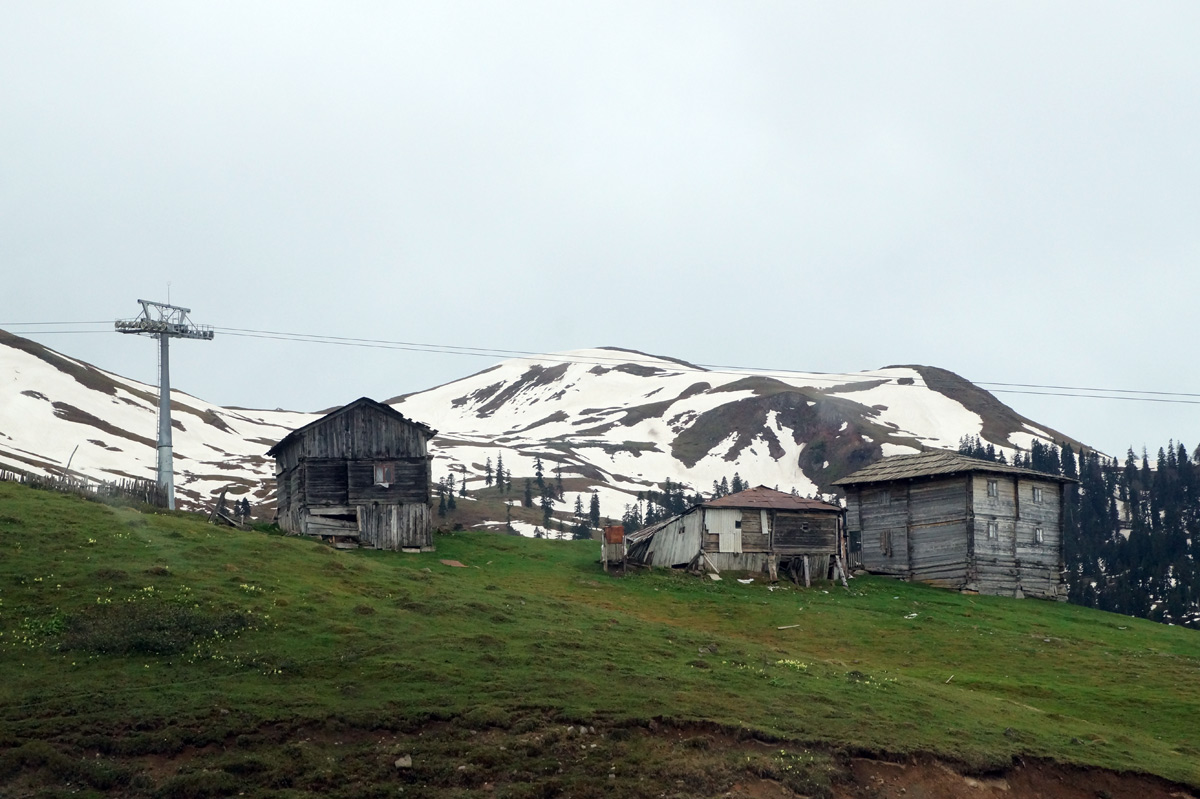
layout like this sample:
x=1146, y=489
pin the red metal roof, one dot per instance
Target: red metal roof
x=763, y=497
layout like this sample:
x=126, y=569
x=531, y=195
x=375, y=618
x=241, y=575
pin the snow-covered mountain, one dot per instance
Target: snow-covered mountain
x=614, y=420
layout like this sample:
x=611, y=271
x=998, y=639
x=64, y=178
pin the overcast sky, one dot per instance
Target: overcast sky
x=1006, y=190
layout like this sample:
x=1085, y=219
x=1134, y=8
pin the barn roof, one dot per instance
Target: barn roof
x=935, y=463
x=387, y=410
x=763, y=497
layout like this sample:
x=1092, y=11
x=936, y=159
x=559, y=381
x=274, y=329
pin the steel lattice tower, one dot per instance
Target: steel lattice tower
x=164, y=322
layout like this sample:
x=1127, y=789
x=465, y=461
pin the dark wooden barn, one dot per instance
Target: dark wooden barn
x=757, y=530
x=359, y=474
x=957, y=522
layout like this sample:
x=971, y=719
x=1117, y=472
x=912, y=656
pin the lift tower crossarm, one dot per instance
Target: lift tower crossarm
x=161, y=319
x=164, y=322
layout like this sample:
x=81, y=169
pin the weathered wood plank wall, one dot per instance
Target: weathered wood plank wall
x=799, y=532
x=883, y=514
x=1012, y=561
x=937, y=531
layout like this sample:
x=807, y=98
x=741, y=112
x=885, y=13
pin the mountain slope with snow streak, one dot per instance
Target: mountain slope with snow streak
x=628, y=420
x=614, y=421
x=55, y=411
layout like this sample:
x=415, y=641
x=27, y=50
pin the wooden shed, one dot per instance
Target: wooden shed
x=757, y=530
x=358, y=475
x=958, y=522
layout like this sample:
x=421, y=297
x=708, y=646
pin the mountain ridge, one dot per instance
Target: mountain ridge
x=620, y=420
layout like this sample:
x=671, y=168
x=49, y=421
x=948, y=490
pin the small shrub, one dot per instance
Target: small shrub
x=199, y=785
x=487, y=717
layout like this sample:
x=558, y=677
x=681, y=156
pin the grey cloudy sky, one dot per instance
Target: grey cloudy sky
x=1006, y=190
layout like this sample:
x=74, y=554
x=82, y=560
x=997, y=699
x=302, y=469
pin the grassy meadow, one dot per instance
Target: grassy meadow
x=155, y=654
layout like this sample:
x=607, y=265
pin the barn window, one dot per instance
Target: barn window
x=385, y=474
x=738, y=524
x=993, y=488
x=1039, y=537
x=993, y=529
x=1037, y=493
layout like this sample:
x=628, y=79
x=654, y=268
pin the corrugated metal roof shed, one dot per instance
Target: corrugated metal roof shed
x=935, y=462
x=763, y=497
x=646, y=532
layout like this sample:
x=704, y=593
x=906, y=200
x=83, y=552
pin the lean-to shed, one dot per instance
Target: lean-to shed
x=754, y=530
x=358, y=474
x=958, y=522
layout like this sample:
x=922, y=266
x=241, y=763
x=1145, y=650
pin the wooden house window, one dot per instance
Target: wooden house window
x=1037, y=493
x=1039, y=536
x=993, y=529
x=993, y=488
x=385, y=474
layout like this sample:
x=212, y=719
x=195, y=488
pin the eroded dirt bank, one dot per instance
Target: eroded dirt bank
x=927, y=779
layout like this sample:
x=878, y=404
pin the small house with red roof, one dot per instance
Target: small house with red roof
x=757, y=530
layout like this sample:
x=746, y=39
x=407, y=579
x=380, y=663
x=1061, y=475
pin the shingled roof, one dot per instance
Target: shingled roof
x=935, y=463
x=763, y=497
x=386, y=410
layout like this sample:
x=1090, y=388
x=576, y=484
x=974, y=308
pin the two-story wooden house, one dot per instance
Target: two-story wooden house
x=958, y=522
x=358, y=474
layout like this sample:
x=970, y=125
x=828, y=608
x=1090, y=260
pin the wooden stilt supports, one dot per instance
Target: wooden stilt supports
x=841, y=567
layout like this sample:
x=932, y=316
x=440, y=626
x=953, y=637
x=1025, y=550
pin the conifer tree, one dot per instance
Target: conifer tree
x=594, y=509
x=528, y=500
x=487, y=472
x=632, y=518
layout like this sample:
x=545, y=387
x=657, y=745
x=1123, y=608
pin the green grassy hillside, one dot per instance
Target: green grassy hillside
x=155, y=654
